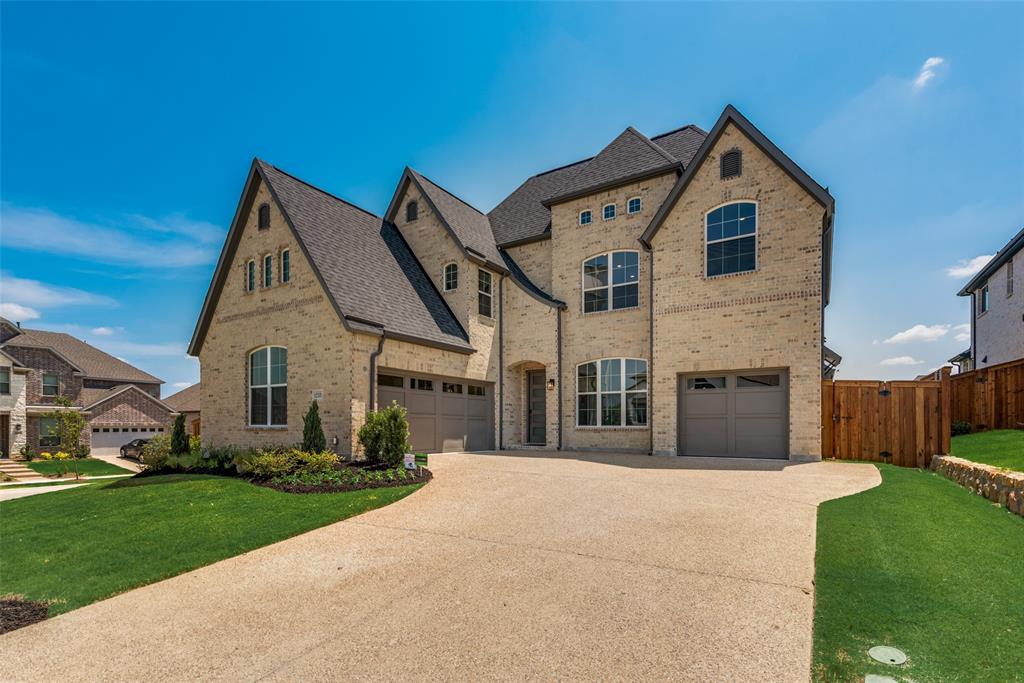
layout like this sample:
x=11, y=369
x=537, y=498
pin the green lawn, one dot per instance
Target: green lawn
x=55, y=482
x=86, y=467
x=1000, y=447
x=924, y=565
x=101, y=539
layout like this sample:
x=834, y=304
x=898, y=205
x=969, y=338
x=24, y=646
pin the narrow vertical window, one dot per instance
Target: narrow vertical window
x=412, y=211
x=451, y=277
x=250, y=276
x=983, y=300
x=286, y=266
x=264, y=216
x=1009, y=277
x=5, y=381
x=268, y=270
x=484, y=293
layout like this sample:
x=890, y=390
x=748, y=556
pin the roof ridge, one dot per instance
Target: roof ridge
x=561, y=168
x=318, y=189
x=650, y=143
x=447, y=191
x=692, y=126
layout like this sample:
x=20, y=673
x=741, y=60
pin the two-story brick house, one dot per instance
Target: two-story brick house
x=664, y=296
x=37, y=367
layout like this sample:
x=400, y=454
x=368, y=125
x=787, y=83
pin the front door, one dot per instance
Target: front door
x=536, y=413
x=5, y=436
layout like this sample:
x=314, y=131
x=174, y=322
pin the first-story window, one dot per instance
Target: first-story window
x=49, y=436
x=250, y=276
x=268, y=387
x=451, y=277
x=619, y=288
x=484, y=293
x=731, y=239
x=51, y=385
x=5, y=381
x=983, y=300
x=612, y=393
x=286, y=266
x=268, y=270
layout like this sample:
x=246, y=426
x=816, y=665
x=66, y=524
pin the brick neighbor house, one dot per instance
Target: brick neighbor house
x=664, y=296
x=120, y=401
x=187, y=403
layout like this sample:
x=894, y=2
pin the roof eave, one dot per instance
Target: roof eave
x=1015, y=244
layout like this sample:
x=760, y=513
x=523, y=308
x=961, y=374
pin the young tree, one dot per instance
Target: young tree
x=179, y=440
x=70, y=424
x=313, y=440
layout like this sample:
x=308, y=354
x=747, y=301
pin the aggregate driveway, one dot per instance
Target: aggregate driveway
x=506, y=566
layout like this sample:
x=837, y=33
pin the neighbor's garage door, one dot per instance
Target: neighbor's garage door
x=741, y=415
x=445, y=414
x=108, y=440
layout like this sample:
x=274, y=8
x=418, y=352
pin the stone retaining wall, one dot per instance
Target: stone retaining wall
x=1000, y=486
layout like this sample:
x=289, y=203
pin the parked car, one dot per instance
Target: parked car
x=133, y=449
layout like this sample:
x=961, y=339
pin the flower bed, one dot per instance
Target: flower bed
x=346, y=478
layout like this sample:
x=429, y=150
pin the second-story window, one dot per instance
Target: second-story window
x=268, y=270
x=983, y=300
x=451, y=277
x=1009, y=277
x=633, y=205
x=286, y=266
x=610, y=281
x=484, y=293
x=731, y=239
x=250, y=276
x=586, y=217
x=51, y=386
x=412, y=211
x=608, y=212
x=5, y=381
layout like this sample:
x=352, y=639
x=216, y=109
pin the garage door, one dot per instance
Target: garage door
x=108, y=440
x=445, y=413
x=734, y=414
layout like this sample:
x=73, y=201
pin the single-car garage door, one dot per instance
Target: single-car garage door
x=445, y=413
x=734, y=414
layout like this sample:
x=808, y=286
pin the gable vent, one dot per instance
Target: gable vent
x=732, y=164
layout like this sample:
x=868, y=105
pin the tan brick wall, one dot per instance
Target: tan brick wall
x=999, y=332
x=296, y=315
x=769, y=318
x=535, y=260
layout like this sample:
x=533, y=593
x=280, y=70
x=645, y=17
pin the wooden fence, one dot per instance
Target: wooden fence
x=990, y=398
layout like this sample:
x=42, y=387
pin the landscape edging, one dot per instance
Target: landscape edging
x=1005, y=487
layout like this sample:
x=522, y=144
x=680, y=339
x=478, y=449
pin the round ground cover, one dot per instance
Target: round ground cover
x=16, y=612
x=348, y=478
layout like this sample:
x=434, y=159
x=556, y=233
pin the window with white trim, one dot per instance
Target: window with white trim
x=451, y=277
x=608, y=212
x=268, y=270
x=51, y=385
x=620, y=289
x=586, y=218
x=611, y=392
x=250, y=276
x=483, y=297
x=286, y=266
x=268, y=387
x=731, y=239
x=633, y=205
x=983, y=302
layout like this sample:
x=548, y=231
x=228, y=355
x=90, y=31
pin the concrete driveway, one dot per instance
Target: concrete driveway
x=506, y=566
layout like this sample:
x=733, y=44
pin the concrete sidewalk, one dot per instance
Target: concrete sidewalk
x=505, y=566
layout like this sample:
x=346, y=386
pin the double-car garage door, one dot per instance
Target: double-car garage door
x=741, y=414
x=445, y=413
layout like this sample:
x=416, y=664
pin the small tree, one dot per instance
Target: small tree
x=313, y=440
x=179, y=440
x=70, y=424
x=385, y=436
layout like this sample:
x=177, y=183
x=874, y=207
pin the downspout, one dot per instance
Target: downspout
x=501, y=362
x=974, y=332
x=373, y=371
x=650, y=339
x=558, y=363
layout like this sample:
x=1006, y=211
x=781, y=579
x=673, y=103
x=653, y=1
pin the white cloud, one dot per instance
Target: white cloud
x=182, y=385
x=18, y=313
x=919, y=333
x=102, y=331
x=901, y=360
x=138, y=241
x=128, y=348
x=41, y=295
x=929, y=70
x=963, y=332
x=967, y=268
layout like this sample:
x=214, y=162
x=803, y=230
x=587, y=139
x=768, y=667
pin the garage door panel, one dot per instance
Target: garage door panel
x=480, y=434
x=760, y=402
x=441, y=420
x=422, y=436
x=453, y=406
x=707, y=436
x=387, y=395
x=701, y=403
x=420, y=402
x=747, y=418
x=478, y=409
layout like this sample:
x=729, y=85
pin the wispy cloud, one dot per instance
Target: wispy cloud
x=968, y=267
x=41, y=295
x=929, y=70
x=901, y=360
x=182, y=385
x=918, y=333
x=127, y=348
x=17, y=312
x=138, y=241
x=963, y=332
x=103, y=331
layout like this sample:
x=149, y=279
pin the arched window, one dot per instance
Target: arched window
x=451, y=277
x=732, y=164
x=611, y=392
x=731, y=239
x=268, y=270
x=268, y=387
x=264, y=216
x=619, y=289
x=412, y=211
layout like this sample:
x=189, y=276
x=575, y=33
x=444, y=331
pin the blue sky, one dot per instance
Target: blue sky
x=126, y=131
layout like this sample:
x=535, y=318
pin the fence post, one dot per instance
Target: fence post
x=946, y=412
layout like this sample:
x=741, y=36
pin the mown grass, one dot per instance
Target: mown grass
x=75, y=547
x=999, y=447
x=87, y=467
x=926, y=566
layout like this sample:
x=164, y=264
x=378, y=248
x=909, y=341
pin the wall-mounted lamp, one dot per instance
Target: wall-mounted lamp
x=551, y=385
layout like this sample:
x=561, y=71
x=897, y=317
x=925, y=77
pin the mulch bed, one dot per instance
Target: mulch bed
x=419, y=476
x=16, y=612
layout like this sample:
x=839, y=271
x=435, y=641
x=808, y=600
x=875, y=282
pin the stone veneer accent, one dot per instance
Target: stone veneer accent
x=1000, y=486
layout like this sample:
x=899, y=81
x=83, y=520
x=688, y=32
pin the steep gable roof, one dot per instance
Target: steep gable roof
x=187, y=400
x=1015, y=244
x=681, y=143
x=395, y=297
x=89, y=360
x=522, y=217
x=93, y=398
x=469, y=227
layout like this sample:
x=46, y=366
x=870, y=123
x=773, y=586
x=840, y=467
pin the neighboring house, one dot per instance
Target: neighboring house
x=963, y=361
x=664, y=296
x=120, y=401
x=186, y=402
x=997, y=311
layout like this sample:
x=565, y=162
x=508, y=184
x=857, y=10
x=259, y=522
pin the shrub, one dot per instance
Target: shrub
x=156, y=452
x=314, y=463
x=385, y=436
x=179, y=441
x=275, y=463
x=960, y=427
x=313, y=440
x=213, y=458
x=28, y=453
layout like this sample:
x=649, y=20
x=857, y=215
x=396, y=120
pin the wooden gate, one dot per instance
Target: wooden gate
x=990, y=398
x=901, y=422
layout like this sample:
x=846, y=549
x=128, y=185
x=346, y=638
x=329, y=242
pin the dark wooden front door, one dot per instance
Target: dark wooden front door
x=536, y=413
x=5, y=436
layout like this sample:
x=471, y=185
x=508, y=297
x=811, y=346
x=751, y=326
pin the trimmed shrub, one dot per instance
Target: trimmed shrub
x=313, y=440
x=960, y=427
x=314, y=463
x=385, y=436
x=269, y=464
x=179, y=441
x=156, y=452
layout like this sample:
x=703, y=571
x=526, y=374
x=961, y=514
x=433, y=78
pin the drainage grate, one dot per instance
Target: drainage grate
x=887, y=655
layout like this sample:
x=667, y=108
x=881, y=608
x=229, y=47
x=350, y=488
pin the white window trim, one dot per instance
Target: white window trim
x=444, y=277
x=614, y=212
x=621, y=392
x=581, y=217
x=756, y=235
x=267, y=279
x=250, y=282
x=269, y=386
x=489, y=295
x=281, y=256
x=583, y=282
x=984, y=299
x=639, y=199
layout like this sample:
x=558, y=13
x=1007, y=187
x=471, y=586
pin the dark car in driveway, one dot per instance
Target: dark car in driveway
x=133, y=449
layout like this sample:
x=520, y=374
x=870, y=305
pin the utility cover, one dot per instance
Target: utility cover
x=887, y=655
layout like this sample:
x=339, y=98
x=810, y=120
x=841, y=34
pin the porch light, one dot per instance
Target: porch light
x=551, y=385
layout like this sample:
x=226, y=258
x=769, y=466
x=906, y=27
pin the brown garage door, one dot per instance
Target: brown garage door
x=734, y=414
x=445, y=413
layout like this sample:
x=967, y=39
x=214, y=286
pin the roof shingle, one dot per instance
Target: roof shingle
x=91, y=361
x=471, y=227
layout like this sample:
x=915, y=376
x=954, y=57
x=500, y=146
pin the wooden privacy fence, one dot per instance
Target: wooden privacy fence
x=990, y=398
x=904, y=423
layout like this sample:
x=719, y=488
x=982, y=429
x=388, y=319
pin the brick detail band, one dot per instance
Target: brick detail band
x=744, y=301
x=270, y=309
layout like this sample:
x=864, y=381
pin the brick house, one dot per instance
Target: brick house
x=664, y=296
x=120, y=401
x=187, y=402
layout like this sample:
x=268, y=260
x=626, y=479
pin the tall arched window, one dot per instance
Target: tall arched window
x=731, y=244
x=264, y=216
x=603, y=291
x=268, y=387
x=451, y=277
x=412, y=211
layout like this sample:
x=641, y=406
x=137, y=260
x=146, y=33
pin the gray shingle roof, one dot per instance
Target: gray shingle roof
x=91, y=361
x=367, y=267
x=186, y=400
x=527, y=284
x=681, y=143
x=471, y=227
x=522, y=215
